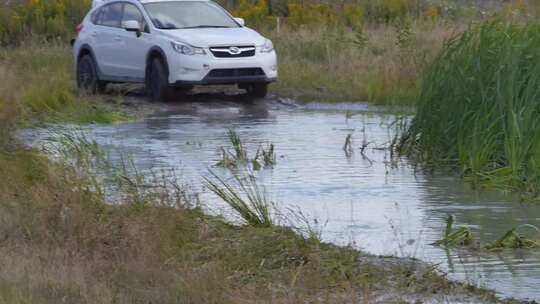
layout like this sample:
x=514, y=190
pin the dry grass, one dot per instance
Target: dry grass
x=380, y=64
x=61, y=243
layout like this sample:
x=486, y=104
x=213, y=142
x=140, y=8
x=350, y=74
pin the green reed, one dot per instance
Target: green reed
x=479, y=106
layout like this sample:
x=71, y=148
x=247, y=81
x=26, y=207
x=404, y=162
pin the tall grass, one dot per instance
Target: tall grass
x=37, y=83
x=479, y=106
x=374, y=64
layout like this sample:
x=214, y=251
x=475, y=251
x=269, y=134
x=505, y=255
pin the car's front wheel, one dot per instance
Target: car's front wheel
x=257, y=90
x=157, y=84
x=87, y=76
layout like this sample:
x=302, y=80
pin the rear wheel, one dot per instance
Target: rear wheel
x=257, y=90
x=157, y=84
x=87, y=76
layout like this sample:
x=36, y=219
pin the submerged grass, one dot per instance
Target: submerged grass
x=464, y=237
x=479, y=109
x=514, y=239
x=238, y=157
x=455, y=237
x=264, y=158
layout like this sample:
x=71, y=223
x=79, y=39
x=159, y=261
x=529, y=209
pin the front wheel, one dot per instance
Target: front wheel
x=157, y=84
x=257, y=90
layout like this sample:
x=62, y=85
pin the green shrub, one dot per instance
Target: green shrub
x=254, y=12
x=49, y=19
x=390, y=10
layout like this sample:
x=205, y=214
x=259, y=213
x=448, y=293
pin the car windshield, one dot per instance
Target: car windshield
x=188, y=14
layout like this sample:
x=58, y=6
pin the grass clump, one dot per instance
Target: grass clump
x=250, y=201
x=479, y=107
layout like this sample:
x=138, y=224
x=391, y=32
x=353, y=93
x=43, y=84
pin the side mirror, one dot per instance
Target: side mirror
x=132, y=26
x=240, y=21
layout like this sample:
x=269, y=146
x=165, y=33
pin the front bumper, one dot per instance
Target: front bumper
x=207, y=69
x=230, y=76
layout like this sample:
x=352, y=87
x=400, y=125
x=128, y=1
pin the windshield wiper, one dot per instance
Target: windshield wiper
x=206, y=26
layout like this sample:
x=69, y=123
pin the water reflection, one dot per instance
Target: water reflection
x=370, y=200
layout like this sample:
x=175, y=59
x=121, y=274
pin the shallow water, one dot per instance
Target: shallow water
x=378, y=204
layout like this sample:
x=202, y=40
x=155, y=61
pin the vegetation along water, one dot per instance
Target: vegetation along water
x=468, y=69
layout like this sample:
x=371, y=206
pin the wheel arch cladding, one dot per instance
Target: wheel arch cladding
x=86, y=50
x=156, y=52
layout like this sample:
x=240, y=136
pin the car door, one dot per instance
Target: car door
x=132, y=60
x=108, y=39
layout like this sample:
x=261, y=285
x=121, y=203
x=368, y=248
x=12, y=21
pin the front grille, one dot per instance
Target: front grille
x=245, y=72
x=233, y=51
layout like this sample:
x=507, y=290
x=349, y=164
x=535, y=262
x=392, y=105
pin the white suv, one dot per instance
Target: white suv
x=168, y=44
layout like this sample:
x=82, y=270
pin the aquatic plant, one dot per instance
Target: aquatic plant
x=265, y=157
x=226, y=160
x=455, y=237
x=246, y=197
x=348, y=146
x=240, y=152
x=231, y=160
x=479, y=107
x=513, y=239
x=463, y=237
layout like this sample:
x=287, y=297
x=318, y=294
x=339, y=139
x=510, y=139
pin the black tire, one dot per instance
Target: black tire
x=87, y=76
x=257, y=90
x=157, y=83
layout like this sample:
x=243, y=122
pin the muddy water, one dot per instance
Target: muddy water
x=380, y=205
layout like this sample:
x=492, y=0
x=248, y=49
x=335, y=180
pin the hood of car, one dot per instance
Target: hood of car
x=210, y=37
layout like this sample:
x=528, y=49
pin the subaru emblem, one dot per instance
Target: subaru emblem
x=234, y=50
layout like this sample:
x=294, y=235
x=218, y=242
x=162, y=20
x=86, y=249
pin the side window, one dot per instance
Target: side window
x=111, y=15
x=95, y=16
x=131, y=12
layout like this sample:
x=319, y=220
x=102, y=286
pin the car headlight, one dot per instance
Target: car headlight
x=267, y=47
x=187, y=49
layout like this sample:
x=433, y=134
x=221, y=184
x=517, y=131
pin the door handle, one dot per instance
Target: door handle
x=118, y=38
x=94, y=34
